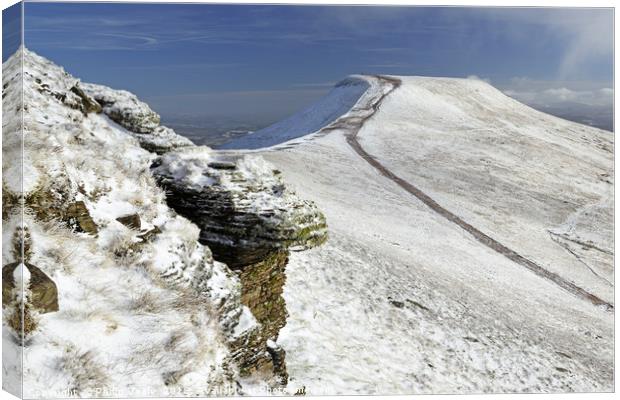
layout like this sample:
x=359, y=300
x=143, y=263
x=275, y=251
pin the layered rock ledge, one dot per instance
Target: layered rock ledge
x=250, y=220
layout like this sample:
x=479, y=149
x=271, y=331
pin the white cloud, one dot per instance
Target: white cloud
x=589, y=103
x=551, y=93
x=477, y=78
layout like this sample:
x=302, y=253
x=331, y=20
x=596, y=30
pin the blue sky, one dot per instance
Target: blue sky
x=268, y=61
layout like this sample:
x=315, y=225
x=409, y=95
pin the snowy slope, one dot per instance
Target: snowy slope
x=337, y=102
x=131, y=318
x=506, y=169
x=143, y=309
x=402, y=300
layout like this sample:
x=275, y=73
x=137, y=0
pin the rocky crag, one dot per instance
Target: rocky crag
x=173, y=253
x=250, y=220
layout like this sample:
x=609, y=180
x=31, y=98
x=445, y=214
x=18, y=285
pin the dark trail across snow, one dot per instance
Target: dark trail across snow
x=353, y=126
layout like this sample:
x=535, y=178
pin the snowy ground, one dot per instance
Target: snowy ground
x=402, y=301
x=505, y=168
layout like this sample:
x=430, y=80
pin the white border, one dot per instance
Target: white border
x=487, y=3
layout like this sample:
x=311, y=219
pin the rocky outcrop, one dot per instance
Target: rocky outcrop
x=137, y=117
x=250, y=220
x=243, y=208
x=124, y=108
x=162, y=140
x=247, y=217
x=89, y=196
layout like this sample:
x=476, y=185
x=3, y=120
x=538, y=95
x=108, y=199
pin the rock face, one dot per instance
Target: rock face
x=249, y=219
x=262, y=284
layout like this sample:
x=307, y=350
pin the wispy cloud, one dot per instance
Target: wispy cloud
x=586, y=35
x=314, y=85
x=387, y=49
x=157, y=31
x=390, y=65
x=176, y=67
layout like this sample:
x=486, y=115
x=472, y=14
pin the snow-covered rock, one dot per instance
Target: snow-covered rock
x=137, y=117
x=250, y=219
x=162, y=140
x=144, y=309
x=124, y=108
x=242, y=206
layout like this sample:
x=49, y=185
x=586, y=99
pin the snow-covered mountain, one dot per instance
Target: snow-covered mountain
x=470, y=250
x=125, y=296
x=455, y=241
x=337, y=102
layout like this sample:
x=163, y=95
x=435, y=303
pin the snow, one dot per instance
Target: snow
x=137, y=318
x=336, y=103
x=401, y=301
x=21, y=276
x=505, y=168
x=246, y=322
x=189, y=168
x=398, y=301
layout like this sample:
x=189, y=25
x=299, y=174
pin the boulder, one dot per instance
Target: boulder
x=77, y=216
x=43, y=292
x=131, y=221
